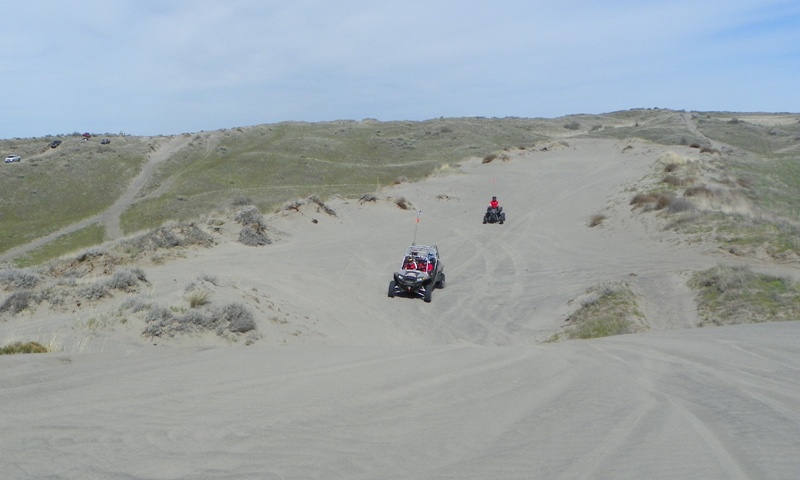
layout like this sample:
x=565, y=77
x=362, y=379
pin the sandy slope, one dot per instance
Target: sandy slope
x=347, y=383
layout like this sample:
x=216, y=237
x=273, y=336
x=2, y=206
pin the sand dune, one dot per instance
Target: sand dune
x=347, y=383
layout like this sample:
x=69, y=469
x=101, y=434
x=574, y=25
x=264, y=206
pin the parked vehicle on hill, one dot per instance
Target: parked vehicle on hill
x=13, y=158
x=55, y=143
x=420, y=272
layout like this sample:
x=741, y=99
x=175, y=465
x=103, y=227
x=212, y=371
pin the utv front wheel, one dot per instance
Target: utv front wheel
x=391, y=289
x=428, y=293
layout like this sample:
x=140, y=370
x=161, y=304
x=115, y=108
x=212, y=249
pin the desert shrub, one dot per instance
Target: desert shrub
x=572, y=126
x=400, y=179
x=249, y=215
x=235, y=318
x=93, y=291
x=27, y=347
x=489, y=158
x=197, y=318
x=251, y=236
x=170, y=236
x=18, y=278
x=694, y=145
x=671, y=167
x=158, y=314
x=134, y=305
x=17, y=302
x=709, y=150
x=125, y=280
x=367, y=197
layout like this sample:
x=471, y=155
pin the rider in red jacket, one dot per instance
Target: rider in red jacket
x=494, y=203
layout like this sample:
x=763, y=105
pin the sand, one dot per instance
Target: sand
x=345, y=382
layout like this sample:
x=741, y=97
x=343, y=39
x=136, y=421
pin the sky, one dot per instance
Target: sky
x=164, y=67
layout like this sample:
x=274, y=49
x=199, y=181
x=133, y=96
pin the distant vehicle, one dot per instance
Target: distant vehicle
x=421, y=271
x=105, y=141
x=13, y=158
x=55, y=143
x=494, y=215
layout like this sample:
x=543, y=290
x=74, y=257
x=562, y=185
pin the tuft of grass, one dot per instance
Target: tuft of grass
x=198, y=297
x=735, y=294
x=23, y=347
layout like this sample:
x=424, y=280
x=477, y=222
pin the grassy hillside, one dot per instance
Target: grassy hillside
x=267, y=165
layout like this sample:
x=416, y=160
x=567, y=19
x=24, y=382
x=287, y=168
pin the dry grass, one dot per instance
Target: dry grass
x=596, y=220
x=610, y=309
x=733, y=294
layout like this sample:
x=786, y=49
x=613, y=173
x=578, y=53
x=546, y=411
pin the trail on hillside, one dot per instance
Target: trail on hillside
x=110, y=218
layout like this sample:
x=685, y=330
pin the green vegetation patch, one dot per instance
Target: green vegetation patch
x=93, y=234
x=610, y=310
x=735, y=294
x=20, y=347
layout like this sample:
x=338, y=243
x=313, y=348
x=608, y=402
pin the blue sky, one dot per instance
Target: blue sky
x=151, y=67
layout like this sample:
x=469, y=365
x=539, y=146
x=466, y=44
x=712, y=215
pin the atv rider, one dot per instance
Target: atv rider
x=410, y=264
x=494, y=204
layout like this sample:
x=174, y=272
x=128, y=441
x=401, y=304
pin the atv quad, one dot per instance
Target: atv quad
x=494, y=215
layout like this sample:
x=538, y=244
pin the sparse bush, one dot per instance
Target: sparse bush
x=93, y=291
x=367, y=197
x=17, y=302
x=250, y=236
x=249, y=215
x=572, y=126
x=18, y=278
x=489, y=158
x=125, y=280
x=134, y=305
x=400, y=179
x=709, y=150
x=236, y=318
x=27, y=347
x=158, y=315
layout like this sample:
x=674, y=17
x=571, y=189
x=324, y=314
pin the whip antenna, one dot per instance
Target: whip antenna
x=416, y=224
